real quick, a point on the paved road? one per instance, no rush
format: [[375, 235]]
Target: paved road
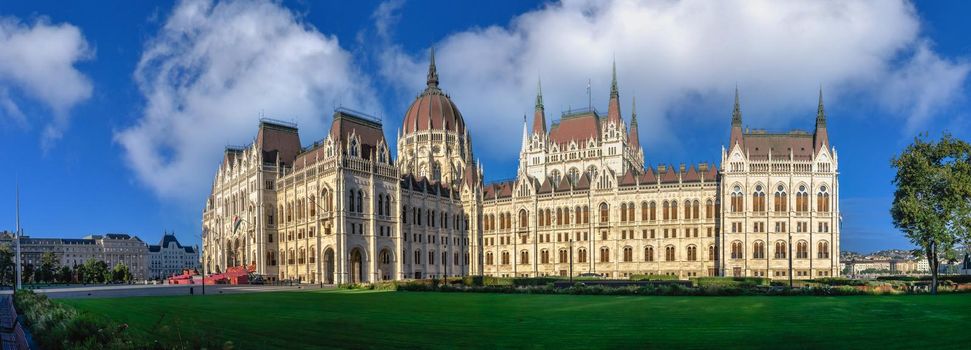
[[114, 291]]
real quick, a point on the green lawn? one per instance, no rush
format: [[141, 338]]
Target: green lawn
[[351, 319]]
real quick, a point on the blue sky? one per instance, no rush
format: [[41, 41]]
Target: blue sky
[[114, 115]]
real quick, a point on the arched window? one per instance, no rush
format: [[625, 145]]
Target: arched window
[[758, 199], [712, 253], [630, 211], [738, 203], [822, 250], [380, 205], [566, 216], [665, 210], [354, 148], [674, 210], [313, 205], [628, 254], [758, 250], [604, 254], [563, 257], [802, 200], [549, 217], [822, 200], [541, 218], [489, 258], [559, 216], [687, 210], [586, 214], [695, 210], [802, 250], [505, 258], [669, 253], [709, 209], [652, 210], [523, 218], [644, 215], [649, 253], [737, 250], [555, 174], [436, 171], [574, 175], [779, 200], [544, 256], [623, 212], [604, 213], [692, 253], [582, 255], [780, 250], [360, 201]]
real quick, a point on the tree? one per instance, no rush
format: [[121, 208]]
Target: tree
[[6, 265], [96, 271], [120, 273], [64, 275], [48, 267], [932, 203]]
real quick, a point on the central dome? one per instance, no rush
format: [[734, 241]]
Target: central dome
[[433, 109]]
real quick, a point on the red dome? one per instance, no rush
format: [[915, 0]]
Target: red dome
[[433, 109]]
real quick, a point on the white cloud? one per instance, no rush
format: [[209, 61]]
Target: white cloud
[[210, 71], [37, 62], [671, 54]]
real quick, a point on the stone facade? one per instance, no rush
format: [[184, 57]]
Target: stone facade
[[111, 248], [169, 257], [342, 210]]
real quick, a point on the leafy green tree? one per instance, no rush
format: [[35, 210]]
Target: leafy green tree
[[6, 265], [64, 275], [49, 263], [96, 271], [120, 273], [932, 203]]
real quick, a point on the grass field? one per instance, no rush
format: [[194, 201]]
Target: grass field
[[360, 319]]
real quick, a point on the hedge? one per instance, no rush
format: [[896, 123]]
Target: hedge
[[737, 282], [55, 326]]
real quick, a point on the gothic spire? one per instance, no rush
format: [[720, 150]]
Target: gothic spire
[[432, 72], [736, 111], [539, 93], [633, 138], [821, 135], [539, 116], [820, 111], [613, 106], [613, 82], [736, 137]]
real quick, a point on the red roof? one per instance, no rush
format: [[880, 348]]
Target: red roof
[[578, 128]]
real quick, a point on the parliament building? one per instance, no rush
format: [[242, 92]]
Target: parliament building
[[343, 210]]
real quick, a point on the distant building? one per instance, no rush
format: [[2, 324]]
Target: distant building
[[111, 248], [170, 257]]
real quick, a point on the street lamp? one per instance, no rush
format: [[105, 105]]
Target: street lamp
[[202, 255]]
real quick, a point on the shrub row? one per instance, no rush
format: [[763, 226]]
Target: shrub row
[[730, 282], [652, 290], [56, 326]]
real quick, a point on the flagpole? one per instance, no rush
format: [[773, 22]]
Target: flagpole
[[17, 238]]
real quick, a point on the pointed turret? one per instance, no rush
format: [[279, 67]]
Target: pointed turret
[[736, 135], [432, 72], [633, 138], [539, 116], [613, 108], [820, 137], [525, 137]]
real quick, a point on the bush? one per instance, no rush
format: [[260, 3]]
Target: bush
[[733, 282], [55, 326], [533, 281], [653, 278]]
